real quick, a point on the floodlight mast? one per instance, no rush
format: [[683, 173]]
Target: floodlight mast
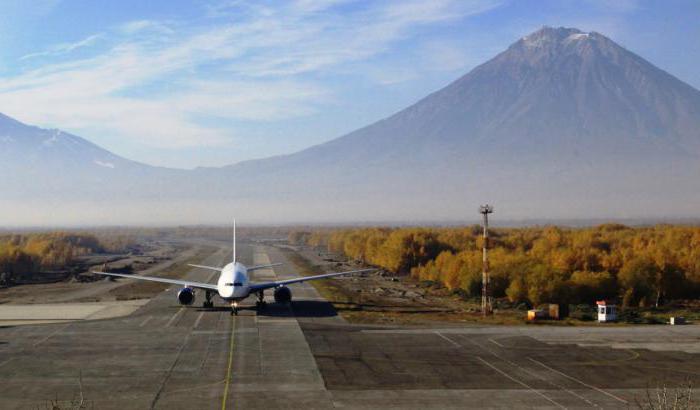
[[486, 303]]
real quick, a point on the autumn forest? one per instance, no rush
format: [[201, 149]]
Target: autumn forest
[[641, 266]]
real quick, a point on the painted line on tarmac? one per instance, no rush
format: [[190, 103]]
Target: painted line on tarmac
[[199, 318], [212, 276], [495, 342], [172, 319], [455, 344], [230, 363], [536, 376], [50, 335], [148, 319], [520, 382], [6, 361], [260, 346], [199, 387], [579, 381], [169, 373]]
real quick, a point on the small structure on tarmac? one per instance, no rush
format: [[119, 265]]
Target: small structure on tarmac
[[536, 314], [551, 311], [558, 311], [607, 312], [677, 320]]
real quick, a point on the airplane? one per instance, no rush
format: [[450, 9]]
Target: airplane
[[233, 285]]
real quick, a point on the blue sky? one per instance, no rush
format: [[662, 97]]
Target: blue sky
[[206, 83]]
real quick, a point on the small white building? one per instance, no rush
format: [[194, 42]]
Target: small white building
[[677, 320], [606, 312]]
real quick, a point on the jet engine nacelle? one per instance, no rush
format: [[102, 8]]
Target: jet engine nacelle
[[186, 296], [283, 295]]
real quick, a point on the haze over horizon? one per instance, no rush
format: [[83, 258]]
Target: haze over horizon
[[562, 124], [181, 85]]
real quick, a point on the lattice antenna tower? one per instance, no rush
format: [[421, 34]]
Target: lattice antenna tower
[[486, 300]]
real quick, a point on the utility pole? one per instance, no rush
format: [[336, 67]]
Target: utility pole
[[486, 305]]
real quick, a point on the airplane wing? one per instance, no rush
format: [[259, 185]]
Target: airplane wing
[[185, 283], [206, 267], [252, 268], [268, 285]]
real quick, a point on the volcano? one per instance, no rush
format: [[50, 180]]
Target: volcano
[[562, 124]]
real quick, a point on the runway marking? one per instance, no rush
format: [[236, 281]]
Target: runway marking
[[455, 344], [671, 370], [579, 381], [290, 320], [199, 318], [50, 335], [212, 276], [210, 333], [172, 319], [148, 319], [169, 372], [536, 375], [260, 347], [520, 382], [634, 356], [495, 342], [201, 386], [6, 361], [230, 363], [206, 354], [218, 322]]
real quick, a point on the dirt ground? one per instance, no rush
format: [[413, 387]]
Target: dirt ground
[[382, 298]]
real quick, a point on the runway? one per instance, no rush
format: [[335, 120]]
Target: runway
[[168, 356], [161, 356], [165, 356]]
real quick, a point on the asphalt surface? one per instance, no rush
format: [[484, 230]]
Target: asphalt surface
[[493, 367], [161, 356], [167, 356]]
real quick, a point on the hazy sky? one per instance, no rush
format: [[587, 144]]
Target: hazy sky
[[190, 83]]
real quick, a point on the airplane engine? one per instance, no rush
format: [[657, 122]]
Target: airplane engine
[[283, 295], [186, 296]]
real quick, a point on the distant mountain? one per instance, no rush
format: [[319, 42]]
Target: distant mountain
[[49, 164], [562, 124]]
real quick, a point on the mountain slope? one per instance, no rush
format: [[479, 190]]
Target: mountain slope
[[556, 87], [52, 164], [562, 124], [561, 114]]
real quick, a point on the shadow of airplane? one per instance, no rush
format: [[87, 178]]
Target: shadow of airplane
[[298, 308]]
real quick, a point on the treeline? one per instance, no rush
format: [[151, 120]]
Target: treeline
[[25, 253], [638, 266]]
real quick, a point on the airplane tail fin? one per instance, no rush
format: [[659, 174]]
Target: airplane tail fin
[[234, 240]]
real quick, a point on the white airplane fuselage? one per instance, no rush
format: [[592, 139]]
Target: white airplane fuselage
[[233, 284]]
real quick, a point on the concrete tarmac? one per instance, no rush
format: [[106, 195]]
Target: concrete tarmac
[[164, 355], [161, 356]]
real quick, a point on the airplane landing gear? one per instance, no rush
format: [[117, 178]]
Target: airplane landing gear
[[208, 302], [234, 309], [261, 304]]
